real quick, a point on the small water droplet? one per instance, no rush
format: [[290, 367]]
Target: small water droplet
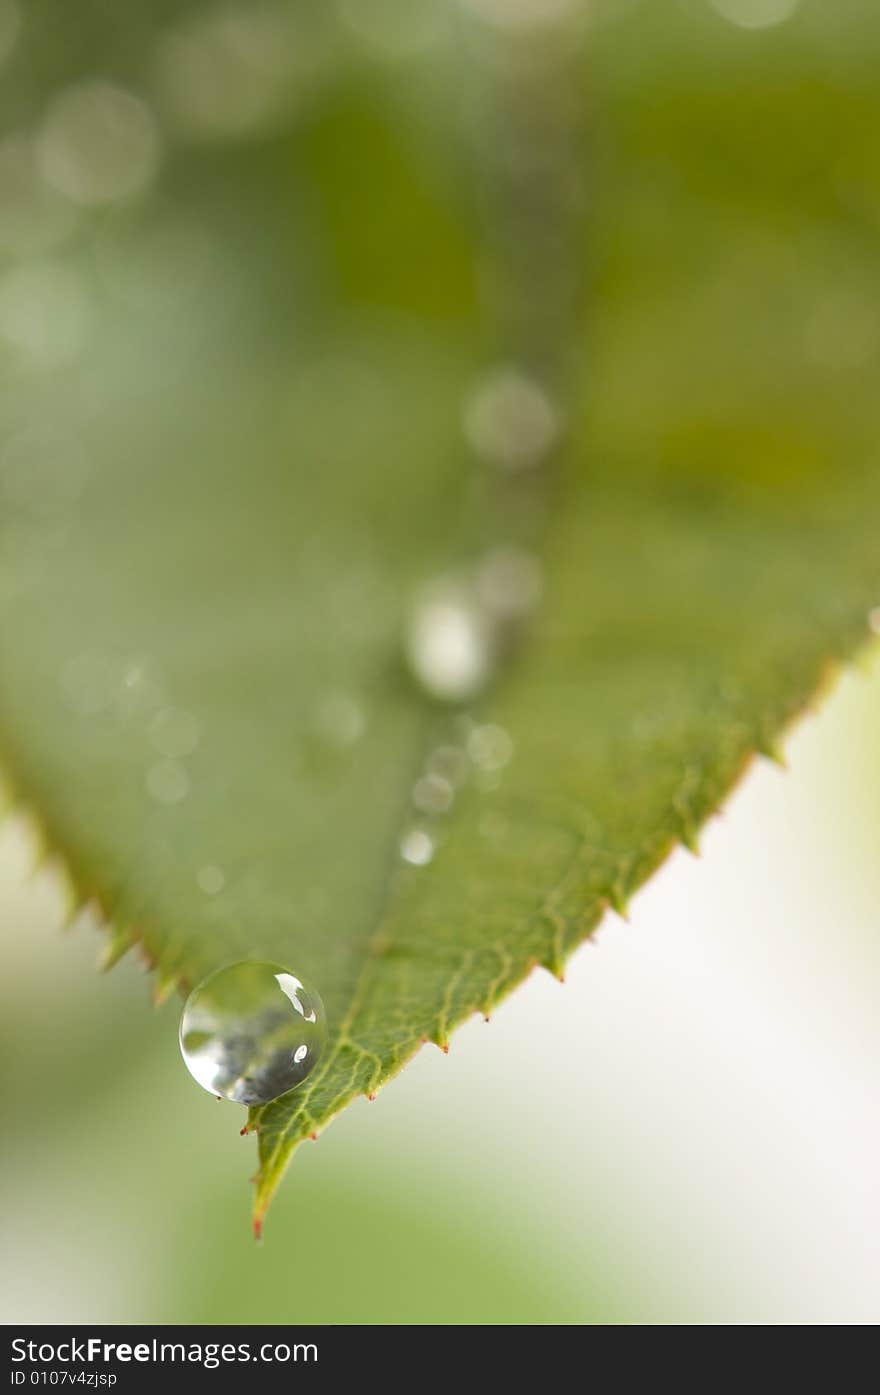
[[167, 782], [417, 847], [509, 583], [448, 644], [489, 747], [211, 879], [252, 1031], [174, 733], [98, 143], [432, 794], [510, 421]]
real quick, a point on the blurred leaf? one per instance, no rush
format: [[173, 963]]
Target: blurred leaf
[[234, 456]]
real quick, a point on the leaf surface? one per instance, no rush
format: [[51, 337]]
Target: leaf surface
[[234, 455]]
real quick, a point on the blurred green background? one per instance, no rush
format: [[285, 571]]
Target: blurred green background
[[685, 1132]]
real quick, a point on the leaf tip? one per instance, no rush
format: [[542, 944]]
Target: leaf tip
[[555, 966], [770, 747], [120, 939], [617, 900], [163, 988]]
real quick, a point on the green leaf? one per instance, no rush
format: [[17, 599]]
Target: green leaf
[[234, 457]]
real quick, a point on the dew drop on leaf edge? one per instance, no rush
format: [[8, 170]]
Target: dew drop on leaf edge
[[251, 1031]]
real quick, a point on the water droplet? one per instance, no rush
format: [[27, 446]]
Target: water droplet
[[448, 645], [755, 14], [251, 1032], [510, 421], [211, 879], [10, 27], [98, 143], [167, 782], [44, 312], [432, 794], [874, 619], [509, 583], [417, 847], [489, 747], [174, 733]]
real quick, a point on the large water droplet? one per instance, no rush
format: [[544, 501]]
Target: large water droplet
[[251, 1032], [448, 644]]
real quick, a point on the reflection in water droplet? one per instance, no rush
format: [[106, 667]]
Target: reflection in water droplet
[[509, 583], [174, 733], [98, 143], [44, 312], [755, 14], [10, 27], [251, 1032], [211, 879], [448, 645], [33, 217], [510, 421], [417, 847], [489, 747], [432, 794], [167, 782]]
